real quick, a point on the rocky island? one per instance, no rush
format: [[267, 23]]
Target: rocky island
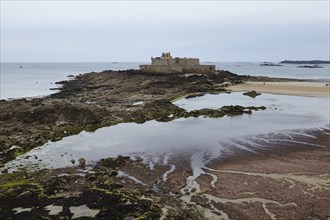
[[310, 66], [305, 61], [270, 64]]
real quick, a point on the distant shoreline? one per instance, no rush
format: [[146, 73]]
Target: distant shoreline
[[305, 62]]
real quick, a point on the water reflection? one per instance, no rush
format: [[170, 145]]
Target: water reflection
[[284, 114]]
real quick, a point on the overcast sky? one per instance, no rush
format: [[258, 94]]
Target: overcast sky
[[91, 31]]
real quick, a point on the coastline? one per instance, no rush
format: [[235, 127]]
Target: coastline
[[299, 88], [252, 185]]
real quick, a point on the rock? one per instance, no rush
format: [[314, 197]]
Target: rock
[[252, 94], [308, 66], [113, 162], [232, 110], [4, 171], [269, 64], [256, 108], [82, 162], [194, 95], [73, 161], [212, 113]]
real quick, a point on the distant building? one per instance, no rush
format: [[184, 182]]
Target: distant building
[[167, 64]]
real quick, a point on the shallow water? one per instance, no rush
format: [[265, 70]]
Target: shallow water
[[35, 79], [156, 141]]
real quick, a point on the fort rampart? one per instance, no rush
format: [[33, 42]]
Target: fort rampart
[[167, 64]]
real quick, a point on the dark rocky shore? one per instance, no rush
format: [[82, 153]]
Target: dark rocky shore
[[95, 100], [88, 102]]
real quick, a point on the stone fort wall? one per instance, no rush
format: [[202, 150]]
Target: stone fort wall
[[167, 64], [176, 61]]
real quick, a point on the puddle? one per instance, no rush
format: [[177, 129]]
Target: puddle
[[83, 211], [138, 103], [284, 117], [20, 209], [53, 209], [123, 174]]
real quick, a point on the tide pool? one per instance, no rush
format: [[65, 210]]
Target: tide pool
[[212, 136]]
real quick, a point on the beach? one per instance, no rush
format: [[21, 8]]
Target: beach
[[291, 181], [167, 146], [305, 88]]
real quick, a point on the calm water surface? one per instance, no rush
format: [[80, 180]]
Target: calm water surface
[[35, 79], [284, 114], [284, 71]]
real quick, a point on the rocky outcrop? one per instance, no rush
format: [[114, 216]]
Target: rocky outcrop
[[310, 67], [55, 194], [252, 94], [94, 100], [306, 61]]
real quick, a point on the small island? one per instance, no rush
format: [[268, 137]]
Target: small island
[[310, 66], [305, 62], [270, 64]]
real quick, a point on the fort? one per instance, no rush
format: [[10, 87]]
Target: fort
[[167, 64]]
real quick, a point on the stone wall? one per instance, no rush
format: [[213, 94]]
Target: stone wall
[[167, 64], [177, 68], [184, 62]]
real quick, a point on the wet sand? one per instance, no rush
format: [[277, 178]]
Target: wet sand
[[288, 180], [321, 89], [292, 181]]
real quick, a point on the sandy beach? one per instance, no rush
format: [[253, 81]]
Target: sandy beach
[[320, 89]]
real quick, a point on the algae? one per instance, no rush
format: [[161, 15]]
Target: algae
[[39, 190]]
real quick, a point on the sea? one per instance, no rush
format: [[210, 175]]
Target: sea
[[19, 80]]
